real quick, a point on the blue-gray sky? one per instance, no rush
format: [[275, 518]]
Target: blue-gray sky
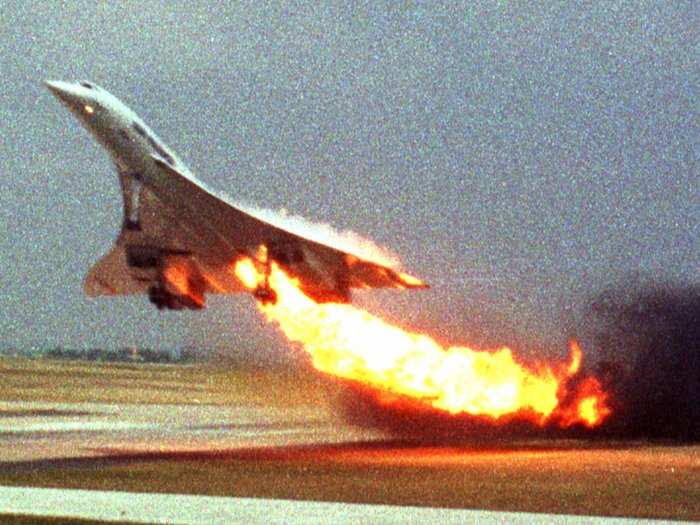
[[518, 157]]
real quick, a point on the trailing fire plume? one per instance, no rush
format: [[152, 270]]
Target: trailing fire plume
[[353, 344]]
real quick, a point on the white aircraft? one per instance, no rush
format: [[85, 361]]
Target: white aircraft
[[179, 240]]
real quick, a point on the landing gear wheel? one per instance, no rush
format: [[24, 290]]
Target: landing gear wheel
[[265, 295]]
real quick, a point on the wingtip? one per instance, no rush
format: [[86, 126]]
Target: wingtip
[[412, 282]]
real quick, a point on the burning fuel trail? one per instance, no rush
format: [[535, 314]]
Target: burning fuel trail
[[353, 344]]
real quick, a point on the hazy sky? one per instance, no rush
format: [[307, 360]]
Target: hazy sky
[[518, 158]]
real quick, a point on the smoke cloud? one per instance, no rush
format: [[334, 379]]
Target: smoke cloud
[[649, 341]]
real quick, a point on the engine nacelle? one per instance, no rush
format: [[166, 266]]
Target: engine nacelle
[[143, 257], [160, 297], [315, 280], [339, 294], [181, 280], [177, 281]]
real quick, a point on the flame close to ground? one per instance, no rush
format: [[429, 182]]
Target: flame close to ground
[[353, 344]]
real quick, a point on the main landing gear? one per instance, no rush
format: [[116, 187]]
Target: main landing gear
[[265, 295], [264, 292]]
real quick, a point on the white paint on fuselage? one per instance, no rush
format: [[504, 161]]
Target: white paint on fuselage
[[114, 125]]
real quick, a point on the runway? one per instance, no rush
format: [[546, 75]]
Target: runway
[[243, 462], [31, 431], [204, 510]]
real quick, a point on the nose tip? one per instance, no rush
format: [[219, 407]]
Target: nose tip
[[53, 85], [56, 89], [62, 90]]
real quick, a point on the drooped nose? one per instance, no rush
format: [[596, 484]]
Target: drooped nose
[[76, 97], [64, 91]]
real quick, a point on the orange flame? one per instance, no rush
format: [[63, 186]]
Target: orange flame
[[576, 356], [351, 343]]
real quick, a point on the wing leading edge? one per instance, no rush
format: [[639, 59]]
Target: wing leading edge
[[317, 265], [179, 241]]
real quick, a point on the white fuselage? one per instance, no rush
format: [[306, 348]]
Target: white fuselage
[[134, 148], [129, 141]]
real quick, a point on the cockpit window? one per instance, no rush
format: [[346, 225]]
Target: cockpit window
[[160, 150], [86, 84]]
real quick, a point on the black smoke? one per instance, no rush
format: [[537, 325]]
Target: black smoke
[[648, 338]]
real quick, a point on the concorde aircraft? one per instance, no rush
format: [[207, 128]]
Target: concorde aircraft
[[179, 240]]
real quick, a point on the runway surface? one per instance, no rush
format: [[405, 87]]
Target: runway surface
[[178, 508], [31, 431], [244, 463]]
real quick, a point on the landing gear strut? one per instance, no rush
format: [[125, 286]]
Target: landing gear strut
[[159, 297], [264, 292]]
